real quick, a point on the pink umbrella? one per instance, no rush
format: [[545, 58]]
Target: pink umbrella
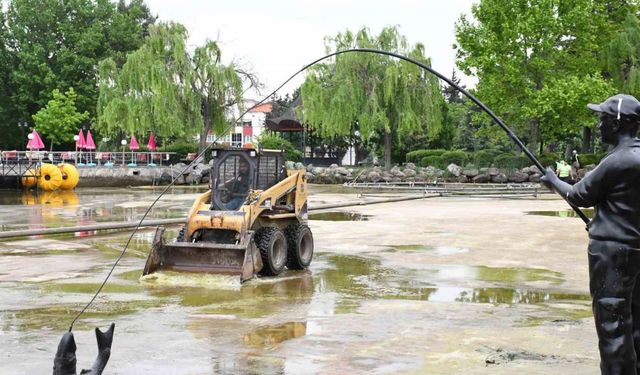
[[89, 145], [80, 143], [38, 144], [133, 145], [151, 145]]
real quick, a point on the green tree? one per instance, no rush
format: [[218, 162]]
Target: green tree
[[163, 88], [622, 57], [517, 48], [58, 121], [390, 100], [58, 44]]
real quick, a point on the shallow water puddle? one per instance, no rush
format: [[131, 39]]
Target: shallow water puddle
[[271, 336]]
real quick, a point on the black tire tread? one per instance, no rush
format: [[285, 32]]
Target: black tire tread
[[262, 239], [292, 233], [180, 236]]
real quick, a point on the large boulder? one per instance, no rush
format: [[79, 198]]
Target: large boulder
[[374, 176], [342, 171], [454, 169], [463, 179], [409, 172], [481, 179], [410, 166], [317, 171], [299, 166], [493, 171], [499, 178], [534, 177], [518, 176], [470, 173], [309, 167]]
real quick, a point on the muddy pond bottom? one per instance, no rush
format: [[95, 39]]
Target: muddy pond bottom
[[422, 305]]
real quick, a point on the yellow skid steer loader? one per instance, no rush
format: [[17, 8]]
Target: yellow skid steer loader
[[252, 220]]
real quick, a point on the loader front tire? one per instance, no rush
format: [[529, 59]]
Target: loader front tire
[[273, 248], [180, 236], [300, 242]]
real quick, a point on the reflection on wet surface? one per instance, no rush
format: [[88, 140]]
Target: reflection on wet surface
[[270, 336], [564, 213], [21, 210]]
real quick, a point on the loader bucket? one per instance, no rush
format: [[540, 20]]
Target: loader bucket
[[241, 259]]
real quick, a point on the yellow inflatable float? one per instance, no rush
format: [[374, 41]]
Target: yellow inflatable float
[[70, 176], [29, 178], [50, 177]]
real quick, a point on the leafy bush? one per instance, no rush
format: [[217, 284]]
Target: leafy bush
[[432, 161], [586, 159], [484, 158], [549, 160], [275, 142], [511, 161], [417, 155], [181, 149], [457, 157]]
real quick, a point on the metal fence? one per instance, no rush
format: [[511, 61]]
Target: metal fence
[[15, 163]]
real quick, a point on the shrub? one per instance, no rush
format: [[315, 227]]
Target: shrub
[[549, 160], [275, 142], [484, 158], [586, 159], [417, 155], [181, 149], [511, 161], [457, 157], [432, 161]]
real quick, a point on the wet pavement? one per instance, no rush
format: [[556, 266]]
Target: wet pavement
[[438, 286]]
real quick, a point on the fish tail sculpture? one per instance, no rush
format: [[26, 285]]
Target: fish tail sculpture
[[64, 362]]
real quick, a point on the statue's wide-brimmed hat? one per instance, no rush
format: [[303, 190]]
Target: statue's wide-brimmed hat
[[618, 106]]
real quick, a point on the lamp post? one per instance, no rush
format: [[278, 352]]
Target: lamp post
[[22, 125], [75, 155], [123, 143]]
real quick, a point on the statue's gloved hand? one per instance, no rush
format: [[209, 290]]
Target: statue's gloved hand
[[550, 179]]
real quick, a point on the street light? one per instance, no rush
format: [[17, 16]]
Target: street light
[[22, 125], [123, 143], [75, 155]]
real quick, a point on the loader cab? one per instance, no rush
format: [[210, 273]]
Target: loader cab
[[235, 172]]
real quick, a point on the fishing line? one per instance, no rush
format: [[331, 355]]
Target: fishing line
[[232, 124]]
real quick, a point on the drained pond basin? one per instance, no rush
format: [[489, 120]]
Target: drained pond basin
[[433, 286]]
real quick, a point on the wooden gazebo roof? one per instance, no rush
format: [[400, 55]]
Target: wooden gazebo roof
[[288, 122]]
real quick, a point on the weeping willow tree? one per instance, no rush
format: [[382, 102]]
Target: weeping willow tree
[[622, 57], [165, 89], [384, 98]]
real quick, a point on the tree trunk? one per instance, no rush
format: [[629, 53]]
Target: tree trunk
[[586, 140], [387, 151], [205, 131], [534, 135]]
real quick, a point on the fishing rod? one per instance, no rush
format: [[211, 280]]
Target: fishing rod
[[495, 118]]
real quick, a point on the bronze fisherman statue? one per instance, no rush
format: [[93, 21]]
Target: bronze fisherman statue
[[613, 188]]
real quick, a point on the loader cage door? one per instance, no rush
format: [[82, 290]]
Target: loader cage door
[[270, 170], [233, 177]]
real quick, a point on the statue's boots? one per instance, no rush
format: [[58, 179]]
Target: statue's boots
[[615, 288]]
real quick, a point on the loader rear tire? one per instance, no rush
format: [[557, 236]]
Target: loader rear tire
[[300, 242], [273, 248]]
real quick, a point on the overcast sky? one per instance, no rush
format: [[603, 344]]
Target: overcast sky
[[275, 38]]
